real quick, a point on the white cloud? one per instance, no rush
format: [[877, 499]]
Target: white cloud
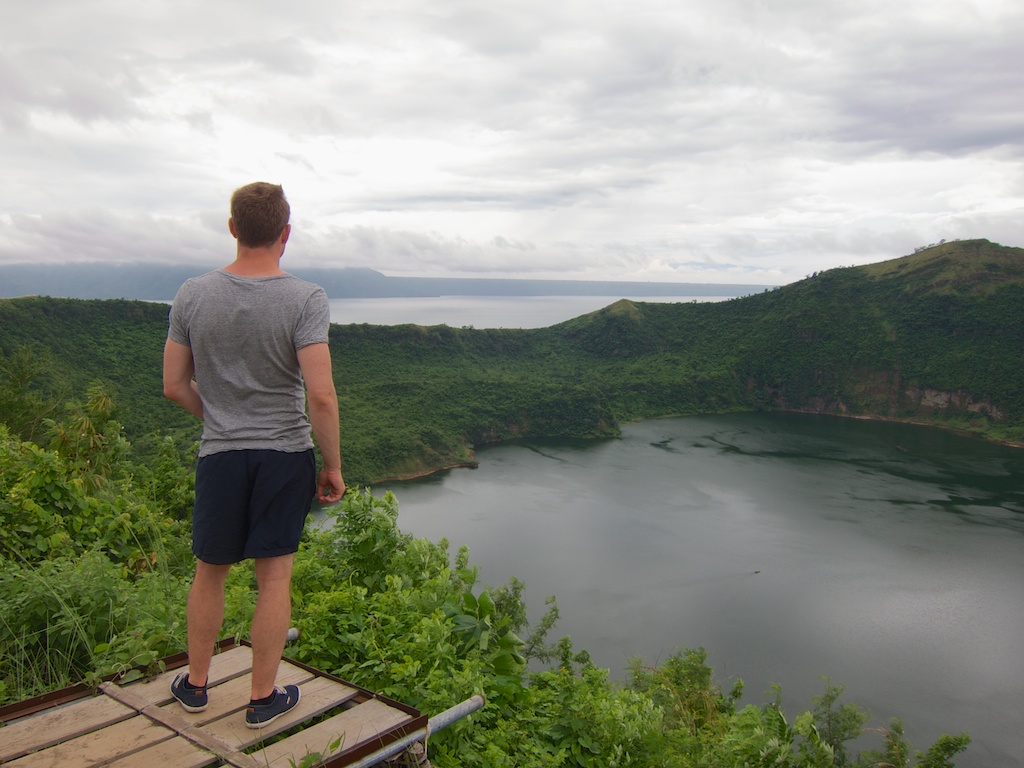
[[718, 140]]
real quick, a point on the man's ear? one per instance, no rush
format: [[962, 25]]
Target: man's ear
[[231, 228], [285, 233]]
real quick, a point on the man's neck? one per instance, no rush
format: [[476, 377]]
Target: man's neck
[[256, 262]]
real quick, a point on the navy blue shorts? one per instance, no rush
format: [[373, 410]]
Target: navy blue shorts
[[251, 504]]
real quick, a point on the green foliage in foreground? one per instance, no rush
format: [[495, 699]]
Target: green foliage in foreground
[[94, 572]]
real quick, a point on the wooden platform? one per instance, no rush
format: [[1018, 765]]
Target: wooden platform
[[139, 724]]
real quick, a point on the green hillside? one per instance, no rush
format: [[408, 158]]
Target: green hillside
[[935, 337]]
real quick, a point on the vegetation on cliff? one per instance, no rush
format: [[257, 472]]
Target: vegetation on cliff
[[936, 337]]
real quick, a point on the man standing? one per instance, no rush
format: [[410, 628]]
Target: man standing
[[242, 342]]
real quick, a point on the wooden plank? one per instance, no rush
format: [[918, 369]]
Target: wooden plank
[[98, 747], [107, 729], [317, 696], [174, 720], [226, 699], [233, 696], [11, 712], [223, 667], [173, 753], [354, 727], [61, 724]]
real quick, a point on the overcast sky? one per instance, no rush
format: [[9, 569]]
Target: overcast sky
[[739, 141]]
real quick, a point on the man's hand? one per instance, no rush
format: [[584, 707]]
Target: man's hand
[[330, 486]]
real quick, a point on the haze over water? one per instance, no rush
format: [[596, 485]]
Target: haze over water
[[889, 557], [480, 311]]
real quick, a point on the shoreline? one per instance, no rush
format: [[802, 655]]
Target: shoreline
[[427, 472], [892, 419], [474, 464]]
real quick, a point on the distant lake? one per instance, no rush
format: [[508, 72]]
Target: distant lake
[[889, 557], [481, 311]]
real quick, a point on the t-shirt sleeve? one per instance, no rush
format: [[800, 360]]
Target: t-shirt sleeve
[[177, 327], [315, 321]]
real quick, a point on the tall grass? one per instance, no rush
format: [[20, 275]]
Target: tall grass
[[72, 620]]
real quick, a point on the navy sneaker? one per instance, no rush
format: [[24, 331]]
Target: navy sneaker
[[260, 715], [191, 699]]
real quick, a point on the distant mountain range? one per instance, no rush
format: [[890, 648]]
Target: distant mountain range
[[159, 282]]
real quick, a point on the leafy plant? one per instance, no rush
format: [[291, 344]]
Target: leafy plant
[[837, 724], [896, 751], [684, 690], [367, 537]]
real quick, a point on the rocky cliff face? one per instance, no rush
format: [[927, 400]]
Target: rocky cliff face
[[881, 395], [932, 401]]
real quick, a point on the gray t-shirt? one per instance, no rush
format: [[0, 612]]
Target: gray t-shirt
[[244, 333]]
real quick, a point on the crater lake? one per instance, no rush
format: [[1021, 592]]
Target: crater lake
[[889, 557]]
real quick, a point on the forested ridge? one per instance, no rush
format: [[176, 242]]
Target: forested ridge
[[936, 337], [96, 489]]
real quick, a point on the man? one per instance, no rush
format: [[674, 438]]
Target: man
[[241, 343]]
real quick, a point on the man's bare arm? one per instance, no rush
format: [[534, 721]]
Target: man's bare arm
[[315, 363], [179, 385]]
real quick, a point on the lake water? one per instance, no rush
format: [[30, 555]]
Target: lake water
[[480, 311], [889, 557]]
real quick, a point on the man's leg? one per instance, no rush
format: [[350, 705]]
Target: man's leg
[[205, 616], [270, 621]]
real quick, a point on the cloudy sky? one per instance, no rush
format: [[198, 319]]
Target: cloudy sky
[[739, 141]]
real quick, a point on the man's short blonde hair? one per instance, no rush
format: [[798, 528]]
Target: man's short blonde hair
[[260, 213]]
